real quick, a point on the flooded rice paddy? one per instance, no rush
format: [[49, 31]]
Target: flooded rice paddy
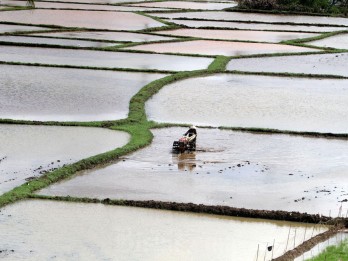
[[208, 47], [257, 36], [61, 94], [338, 41], [124, 233], [111, 2], [11, 28], [273, 172], [188, 5], [30, 151], [106, 36], [55, 42], [101, 59], [81, 19], [332, 64], [255, 26], [258, 17], [284, 103]]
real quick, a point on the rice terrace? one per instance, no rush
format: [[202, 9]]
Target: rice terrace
[[174, 130]]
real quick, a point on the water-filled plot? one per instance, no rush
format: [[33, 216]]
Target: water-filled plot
[[257, 36], [75, 6], [295, 104], [257, 171], [82, 19], [59, 94], [11, 28], [338, 41], [102, 59], [209, 47], [125, 233], [258, 17], [29, 151], [112, 2], [188, 5], [106, 36], [51, 41], [326, 64], [255, 26]]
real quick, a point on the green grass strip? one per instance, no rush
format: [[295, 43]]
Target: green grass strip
[[333, 253]]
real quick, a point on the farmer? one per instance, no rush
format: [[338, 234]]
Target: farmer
[[191, 134]]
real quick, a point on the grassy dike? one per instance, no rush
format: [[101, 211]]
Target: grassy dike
[[136, 125]]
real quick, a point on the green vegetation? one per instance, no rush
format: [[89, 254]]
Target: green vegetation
[[309, 6], [333, 253]]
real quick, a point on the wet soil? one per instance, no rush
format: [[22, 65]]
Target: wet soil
[[253, 171], [30, 151]]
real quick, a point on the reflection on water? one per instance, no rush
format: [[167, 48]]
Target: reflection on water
[[277, 172], [185, 161], [29, 151], [45, 230]]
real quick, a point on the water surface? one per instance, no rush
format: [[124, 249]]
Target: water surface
[[297, 104], [50, 41], [258, 17], [338, 41], [102, 59], [59, 94], [11, 28], [82, 19], [29, 151], [109, 36], [275, 172], [257, 36], [44, 230], [208, 47], [188, 5], [333, 64]]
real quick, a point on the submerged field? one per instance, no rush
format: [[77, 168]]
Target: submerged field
[[93, 94]]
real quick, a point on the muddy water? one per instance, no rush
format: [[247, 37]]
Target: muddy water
[[85, 19], [67, 94], [49, 41], [337, 41], [316, 250], [255, 101], [258, 36], [253, 26], [258, 17], [275, 172], [98, 232], [206, 47], [188, 5], [97, 1], [10, 28], [56, 5], [102, 59], [333, 64], [29, 151], [109, 36]]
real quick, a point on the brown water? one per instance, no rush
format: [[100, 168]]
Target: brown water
[[83, 19], [258, 17], [102, 59], [275, 172], [29, 151], [338, 41], [188, 5], [255, 26], [333, 64], [298, 104], [10, 28], [60, 94], [50, 41], [57, 5], [257, 36], [109, 36], [207, 47], [44, 230]]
